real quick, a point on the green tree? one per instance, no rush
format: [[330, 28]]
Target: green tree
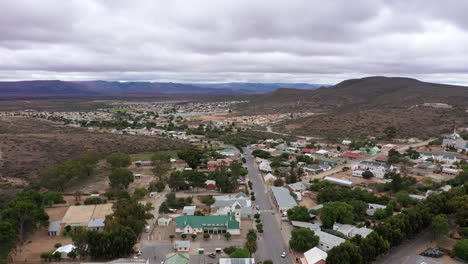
[[299, 213], [160, 169], [340, 212], [195, 178], [367, 174], [206, 236], [192, 156], [177, 181], [227, 235], [51, 198], [88, 160], [194, 236], [268, 261], [390, 132], [261, 154], [240, 253], [346, 253], [26, 213], [58, 177], [404, 199], [120, 178], [183, 236], [72, 254], [236, 168], [440, 226], [460, 249], [119, 160], [303, 239], [129, 213]]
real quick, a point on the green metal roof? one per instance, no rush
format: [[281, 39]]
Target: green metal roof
[[177, 259], [208, 222]]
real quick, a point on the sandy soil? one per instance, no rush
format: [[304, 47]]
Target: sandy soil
[[36, 244], [56, 213], [307, 202]]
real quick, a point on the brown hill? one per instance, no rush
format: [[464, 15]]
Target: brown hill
[[29, 146], [367, 106], [370, 91]]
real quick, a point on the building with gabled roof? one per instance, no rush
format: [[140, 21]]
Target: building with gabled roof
[[212, 224], [283, 199]]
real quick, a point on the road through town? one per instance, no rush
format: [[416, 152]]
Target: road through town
[[271, 243]]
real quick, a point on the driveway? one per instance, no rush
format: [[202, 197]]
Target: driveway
[[271, 243]]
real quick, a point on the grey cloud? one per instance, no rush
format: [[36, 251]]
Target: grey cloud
[[215, 41]]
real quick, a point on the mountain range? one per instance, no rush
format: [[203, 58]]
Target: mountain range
[[57, 88]]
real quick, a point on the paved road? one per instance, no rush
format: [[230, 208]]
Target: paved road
[[271, 243]]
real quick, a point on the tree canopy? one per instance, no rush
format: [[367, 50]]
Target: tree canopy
[[120, 178], [303, 239], [119, 160]]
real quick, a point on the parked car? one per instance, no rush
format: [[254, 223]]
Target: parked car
[[283, 255], [212, 255]]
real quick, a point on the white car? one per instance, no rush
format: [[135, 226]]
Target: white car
[[283, 255]]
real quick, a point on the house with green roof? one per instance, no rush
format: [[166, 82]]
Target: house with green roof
[[212, 224], [177, 258]]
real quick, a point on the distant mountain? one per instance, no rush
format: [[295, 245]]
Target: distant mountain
[[260, 87], [367, 106], [105, 88], [43, 88]]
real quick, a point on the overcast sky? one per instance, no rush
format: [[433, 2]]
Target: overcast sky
[[237, 40]]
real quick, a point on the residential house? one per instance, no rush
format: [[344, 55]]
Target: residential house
[[182, 245], [54, 228], [164, 220], [417, 197], [264, 166], [455, 141], [329, 161], [388, 147], [339, 181], [377, 168], [351, 231], [213, 224], [239, 204], [269, 178], [96, 224], [321, 152], [283, 199], [65, 250], [314, 256], [373, 208], [442, 157], [177, 258], [299, 186], [351, 155], [328, 241], [189, 210], [210, 185]]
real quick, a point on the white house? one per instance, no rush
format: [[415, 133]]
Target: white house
[[328, 241], [270, 178], [351, 231], [314, 255], [377, 168], [338, 181], [264, 166], [189, 210], [64, 250], [182, 245], [164, 220]]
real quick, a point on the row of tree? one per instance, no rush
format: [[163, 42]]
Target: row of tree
[[396, 229]]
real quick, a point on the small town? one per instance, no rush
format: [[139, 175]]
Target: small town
[[233, 132], [232, 197]]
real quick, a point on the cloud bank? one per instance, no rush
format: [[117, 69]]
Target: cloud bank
[[219, 41]]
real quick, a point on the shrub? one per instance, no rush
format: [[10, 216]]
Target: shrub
[[93, 200]]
